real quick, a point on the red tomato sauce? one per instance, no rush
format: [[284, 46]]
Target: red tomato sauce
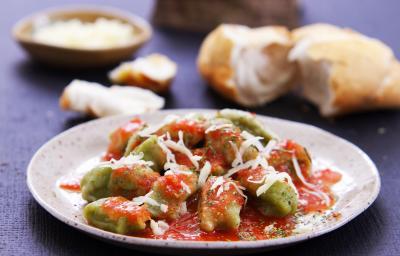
[[117, 207], [228, 133], [182, 159], [119, 138], [71, 183], [314, 196], [143, 183], [253, 225], [189, 127]]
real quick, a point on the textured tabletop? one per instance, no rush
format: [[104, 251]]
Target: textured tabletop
[[29, 116]]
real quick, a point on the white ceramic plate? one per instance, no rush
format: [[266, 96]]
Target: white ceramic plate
[[66, 152]]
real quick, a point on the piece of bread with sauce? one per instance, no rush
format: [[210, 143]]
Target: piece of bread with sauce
[[154, 72]]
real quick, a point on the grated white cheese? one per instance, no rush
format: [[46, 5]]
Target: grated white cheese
[[146, 199], [250, 140], [218, 181], [171, 166], [238, 157], [271, 177], [315, 191], [128, 161], [299, 174], [215, 127], [183, 208], [150, 201], [269, 228], [238, 188], [154, 128], [269, 147], [186, 187], [158, 227], [220, 190], [223, 185], [302, 202], [168, 153], [239, 167], [320, 195], [180, 147], [164, 208], [73, 33], [173, 169], [204, 173], [259, 161]]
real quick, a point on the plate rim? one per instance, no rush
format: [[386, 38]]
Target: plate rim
[[181, 244]]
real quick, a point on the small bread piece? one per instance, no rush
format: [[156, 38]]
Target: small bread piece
[[154, 72], [248, 66], [97, 100], [343, 71]]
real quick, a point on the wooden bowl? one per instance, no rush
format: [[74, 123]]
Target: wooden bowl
[[75, 57]]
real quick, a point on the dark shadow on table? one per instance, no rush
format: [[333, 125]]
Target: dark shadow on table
[[75, 120], [46, 77]]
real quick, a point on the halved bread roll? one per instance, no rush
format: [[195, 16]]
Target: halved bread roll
[[248, 66], [97, 100], [154, 72], [343, 71]]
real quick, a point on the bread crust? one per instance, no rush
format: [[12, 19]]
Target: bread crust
[[96, 100], [130, 73], [215, 65], [362, 73]]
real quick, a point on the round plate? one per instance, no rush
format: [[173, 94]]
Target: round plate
[[65, 152]]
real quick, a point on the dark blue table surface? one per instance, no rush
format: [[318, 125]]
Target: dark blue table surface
[[29, 116]]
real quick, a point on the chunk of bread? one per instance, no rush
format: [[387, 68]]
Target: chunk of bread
[[343, 71], [97, 100], [248, 66], [155, 72]]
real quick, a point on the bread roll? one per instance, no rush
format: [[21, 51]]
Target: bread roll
[[343, 71], [248, 66], [154, 72], [97, 100]]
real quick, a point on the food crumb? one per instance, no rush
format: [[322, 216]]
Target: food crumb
[[269, 228], [336, 215], [381, 130]]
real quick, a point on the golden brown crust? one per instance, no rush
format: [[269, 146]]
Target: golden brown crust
[[66, 104], [64, 101], [214, 61], [359, 67], [135, 73], [342, 71], [143, 81], [389, 94]]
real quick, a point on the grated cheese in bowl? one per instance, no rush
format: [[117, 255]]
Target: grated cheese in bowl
[[73, 33]]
